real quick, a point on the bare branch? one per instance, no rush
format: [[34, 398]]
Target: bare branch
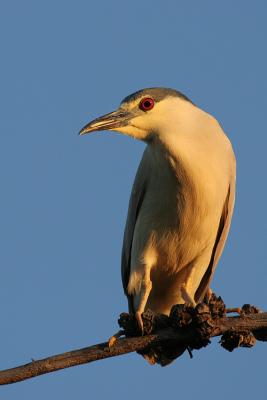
[[254, 324]]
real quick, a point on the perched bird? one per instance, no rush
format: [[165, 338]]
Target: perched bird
[[182, 199]]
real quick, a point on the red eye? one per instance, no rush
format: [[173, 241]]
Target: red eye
[[146, 104]]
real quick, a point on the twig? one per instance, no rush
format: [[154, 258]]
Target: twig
[[252, 323]]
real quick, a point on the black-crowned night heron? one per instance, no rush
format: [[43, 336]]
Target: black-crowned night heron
[[182, 199]]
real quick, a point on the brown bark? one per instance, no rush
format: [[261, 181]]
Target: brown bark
[[242, 330]]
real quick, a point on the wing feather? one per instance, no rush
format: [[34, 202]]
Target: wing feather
[[136, 200], [223, 229]]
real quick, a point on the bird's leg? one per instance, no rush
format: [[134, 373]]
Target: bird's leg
[[138, 316], [208, 296], [146, 287], [186, 296]]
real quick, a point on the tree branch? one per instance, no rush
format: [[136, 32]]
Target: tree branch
[[250, 323]]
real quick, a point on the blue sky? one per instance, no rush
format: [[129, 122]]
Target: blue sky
[[64, 198]]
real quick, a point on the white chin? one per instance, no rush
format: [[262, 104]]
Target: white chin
[[133, 131]]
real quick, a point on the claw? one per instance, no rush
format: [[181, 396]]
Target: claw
[[113, 339], [139, 320]]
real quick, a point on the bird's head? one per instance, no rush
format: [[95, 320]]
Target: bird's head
[[143, 114]]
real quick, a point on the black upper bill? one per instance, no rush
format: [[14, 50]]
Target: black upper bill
[[112, 120]]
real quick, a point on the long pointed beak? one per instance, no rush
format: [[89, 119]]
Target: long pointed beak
[[109, 121]]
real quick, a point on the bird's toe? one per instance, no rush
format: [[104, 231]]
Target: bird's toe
[[139, 321]]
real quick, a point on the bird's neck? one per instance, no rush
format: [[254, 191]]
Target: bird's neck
[[193, 140]]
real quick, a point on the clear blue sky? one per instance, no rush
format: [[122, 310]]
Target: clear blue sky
[[64, 198]]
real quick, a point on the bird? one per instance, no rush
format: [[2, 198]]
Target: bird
[[181, 203]]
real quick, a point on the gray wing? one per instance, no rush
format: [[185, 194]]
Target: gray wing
[[136, 200], [223, 229]]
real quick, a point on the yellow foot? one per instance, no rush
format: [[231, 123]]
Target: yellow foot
[[231, 310], [139, 320], [113, 339], [209, 294], [186, 297]]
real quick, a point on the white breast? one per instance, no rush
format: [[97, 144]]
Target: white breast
[[187, 178]]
